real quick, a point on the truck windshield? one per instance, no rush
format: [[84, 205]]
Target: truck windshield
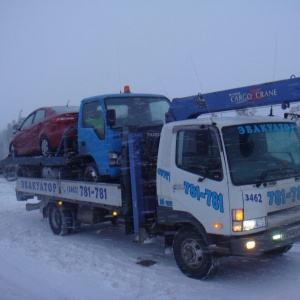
[[262, 152], [138, 111]]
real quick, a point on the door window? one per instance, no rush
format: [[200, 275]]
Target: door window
[[27, 122], [197, 152], [39, 115], [93, 118]]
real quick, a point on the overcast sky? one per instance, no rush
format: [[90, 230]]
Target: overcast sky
[[52, 52]]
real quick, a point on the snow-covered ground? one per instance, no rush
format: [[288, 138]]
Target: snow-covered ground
[[102, 264]]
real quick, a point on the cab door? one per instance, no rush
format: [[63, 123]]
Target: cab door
[[91, 134], [197, 179]]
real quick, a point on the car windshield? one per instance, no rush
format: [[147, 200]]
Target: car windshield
[[262, 152], [138, 111]]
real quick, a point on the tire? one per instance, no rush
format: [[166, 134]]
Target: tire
[[280, 250], [60, 221], [114, 220], [22, 172], [45, 147], [191, 254], [91, 173]]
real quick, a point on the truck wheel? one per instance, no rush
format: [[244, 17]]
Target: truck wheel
[[280, 250], [45, 147], [22, 172], [91, 173], [191, 254], [60, 221]]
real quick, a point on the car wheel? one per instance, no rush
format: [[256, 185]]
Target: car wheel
[[45, 147]]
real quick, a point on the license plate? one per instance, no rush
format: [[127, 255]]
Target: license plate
[[290, 233]]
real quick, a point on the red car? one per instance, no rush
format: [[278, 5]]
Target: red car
[[41, 132]]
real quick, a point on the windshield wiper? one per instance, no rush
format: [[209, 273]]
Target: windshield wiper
[[279, 174], [263, 177]]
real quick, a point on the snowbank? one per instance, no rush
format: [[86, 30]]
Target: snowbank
[[102, 264]]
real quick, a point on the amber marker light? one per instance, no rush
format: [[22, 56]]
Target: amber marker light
[[237, 226], [126, 89], [237, 220], [218, 226], [238, 215]]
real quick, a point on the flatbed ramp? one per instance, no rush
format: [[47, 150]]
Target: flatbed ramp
[[77, 191]]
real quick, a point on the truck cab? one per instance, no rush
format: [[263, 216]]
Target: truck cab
[[103, 122], [236, 180]]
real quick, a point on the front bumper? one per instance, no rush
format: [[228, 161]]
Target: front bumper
[[265, 241]]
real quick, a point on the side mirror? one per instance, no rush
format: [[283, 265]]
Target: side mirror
[[285, 105], [111, 117], [16, 127]]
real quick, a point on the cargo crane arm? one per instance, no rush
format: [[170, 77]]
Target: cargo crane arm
[[282, 92]]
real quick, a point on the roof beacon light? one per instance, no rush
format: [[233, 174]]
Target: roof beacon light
[[126, 89]]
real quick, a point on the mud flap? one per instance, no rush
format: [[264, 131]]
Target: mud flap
[[32, 206]]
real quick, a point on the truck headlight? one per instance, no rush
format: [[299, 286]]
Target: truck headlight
[[254, 223], [239, 224], [237, 220]]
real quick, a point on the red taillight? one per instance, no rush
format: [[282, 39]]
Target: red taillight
[[64, 120]]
